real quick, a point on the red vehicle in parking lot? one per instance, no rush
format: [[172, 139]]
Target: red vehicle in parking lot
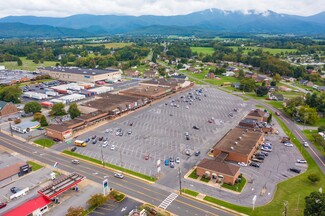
[[2, 205]]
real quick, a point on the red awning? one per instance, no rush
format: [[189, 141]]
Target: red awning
[[28, 207]]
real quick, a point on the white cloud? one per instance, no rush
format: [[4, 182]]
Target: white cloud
[[152, 7]]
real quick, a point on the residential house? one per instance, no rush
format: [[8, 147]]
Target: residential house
[[229, 74], [7, 108], [194, 70], [250, 75], [150, 74], [321, 88], [288, 79], [284, 88], [131, 73]]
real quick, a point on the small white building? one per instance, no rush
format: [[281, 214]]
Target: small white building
[[102, 89], [25, 127], [72, 98]]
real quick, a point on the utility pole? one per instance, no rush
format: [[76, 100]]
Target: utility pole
[[10, 128], [101, 150], [180, 180]]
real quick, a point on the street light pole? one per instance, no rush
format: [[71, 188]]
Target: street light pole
[[101, 151], [10, 128], [180, 180]]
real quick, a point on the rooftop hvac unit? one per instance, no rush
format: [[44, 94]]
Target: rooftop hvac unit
[[236, 143], [232, 148], [239, 138]]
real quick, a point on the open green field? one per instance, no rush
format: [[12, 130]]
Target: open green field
[[45, 142], [28, 65], [111, 45], [203, 50], [248, 49], [190, 192], [212, 81]]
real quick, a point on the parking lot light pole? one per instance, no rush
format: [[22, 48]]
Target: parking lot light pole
[[180, 180], [101, 151]]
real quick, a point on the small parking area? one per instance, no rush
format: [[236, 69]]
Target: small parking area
[[260, 181], [158, 131], [117, 209]]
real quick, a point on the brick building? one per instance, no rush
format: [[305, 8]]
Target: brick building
[[239, 144], [218, 171], [258, 115], [7, 108], [60, 132]]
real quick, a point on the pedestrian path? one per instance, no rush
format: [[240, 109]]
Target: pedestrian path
[[168, 201]]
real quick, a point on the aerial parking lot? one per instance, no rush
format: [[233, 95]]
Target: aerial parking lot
[[177, 126]]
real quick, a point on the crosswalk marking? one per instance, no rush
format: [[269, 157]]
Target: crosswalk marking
[[168, 201]]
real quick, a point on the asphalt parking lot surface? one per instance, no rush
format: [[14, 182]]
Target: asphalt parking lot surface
[[115, 208], [260, 181], [158, 132]]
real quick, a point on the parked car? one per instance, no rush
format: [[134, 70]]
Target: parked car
[[172, 164], [14, 190], [94, 137], [56, 140], [75, 162], [196, 127], [73, 148], [113, 147], [101, 138], [95, 141], [166, 162], [87, 140], [255, 165], [242, 164], [177, 160], [2, 205], [288, 144], [295, 170], [257, 160], [264, 153], [171, 159], [129, 132], [266, 149], [105, 144], [260, 158], [119, 175], [197, 153], [301, 161], [188, 152]]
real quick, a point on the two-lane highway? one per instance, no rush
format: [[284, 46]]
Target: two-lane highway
[[130, 186]]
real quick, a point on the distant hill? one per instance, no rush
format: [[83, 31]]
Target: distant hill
[[209, 21], [19, 30]]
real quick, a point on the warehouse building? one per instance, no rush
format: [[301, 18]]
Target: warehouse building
[[238, 145], [174, 84], [151, 92], [74, 74]]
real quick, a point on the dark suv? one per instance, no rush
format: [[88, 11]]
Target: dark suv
[[255, 165], [295, 170]]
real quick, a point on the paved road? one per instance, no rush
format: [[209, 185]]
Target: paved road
[[316, 155], [152, 194]]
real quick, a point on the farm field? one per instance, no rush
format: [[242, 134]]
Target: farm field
[[203, 50], [270, 50], [28, 65], [111, 45]]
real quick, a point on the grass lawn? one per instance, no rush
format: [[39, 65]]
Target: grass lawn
[[131, 172], [276, 104], [203, 50], [248, 49], [309, 136], [237, 187], [204, 179], [321, 122], [28, 65], [35, 166], [190, 192], [193, 175], [34, 82], [45, 142]]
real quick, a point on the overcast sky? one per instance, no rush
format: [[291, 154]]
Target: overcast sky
[[61, 8]]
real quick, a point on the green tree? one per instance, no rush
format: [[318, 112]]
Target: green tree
[[75, 211], [247, 85], [321, 128], [19, 62], [58, 110], [10, 94], [315, 204], [32, 107], [74, 111], [273, 83], [269, 119], [241, 74], [277, 77], [96, 200], [43, 121], [308, 115], [261, 91], [38, 116], [313, 177]]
